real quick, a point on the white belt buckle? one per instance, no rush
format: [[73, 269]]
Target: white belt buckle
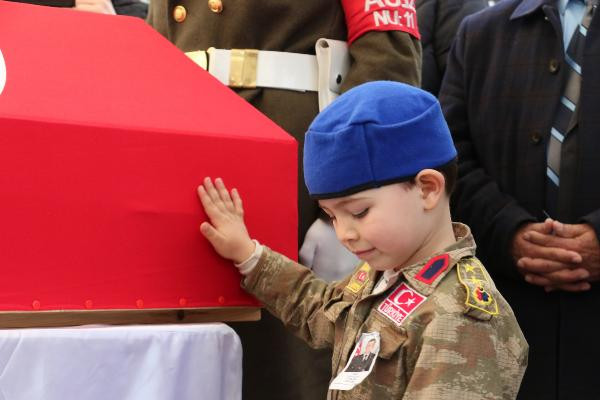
[[242, 68]]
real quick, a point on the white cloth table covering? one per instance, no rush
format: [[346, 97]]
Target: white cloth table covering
[[151, 362]]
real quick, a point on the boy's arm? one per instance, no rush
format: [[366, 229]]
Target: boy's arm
[[460, 357], [288, 289], [295, 296]]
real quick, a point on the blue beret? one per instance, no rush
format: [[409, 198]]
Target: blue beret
[[375, 134]]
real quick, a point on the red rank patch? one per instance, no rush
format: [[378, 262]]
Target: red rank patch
[[433, 269], [401, 303], [363, 16]]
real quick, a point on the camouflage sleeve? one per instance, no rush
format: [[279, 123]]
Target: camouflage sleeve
[[293, 294], [462, 358], [394, 56]]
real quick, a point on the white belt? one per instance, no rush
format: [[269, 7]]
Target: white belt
[[249, 68]]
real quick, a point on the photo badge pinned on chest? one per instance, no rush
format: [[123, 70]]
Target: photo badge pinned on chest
[[360, 364]]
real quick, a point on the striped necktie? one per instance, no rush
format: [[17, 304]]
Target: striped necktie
[[562, 155]]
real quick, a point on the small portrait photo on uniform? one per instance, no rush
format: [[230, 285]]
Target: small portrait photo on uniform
[[360, 363], [364, 354]]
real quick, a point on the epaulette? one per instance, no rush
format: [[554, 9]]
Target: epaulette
[[480, 302]]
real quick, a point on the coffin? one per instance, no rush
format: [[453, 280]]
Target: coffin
[[106, 130]]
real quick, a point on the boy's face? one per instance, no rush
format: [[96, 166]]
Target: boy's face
[[370, 346], [385, 227]]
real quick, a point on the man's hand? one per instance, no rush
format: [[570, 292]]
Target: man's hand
[[579, 238], [226, 231], [97, 6], [548, 264]]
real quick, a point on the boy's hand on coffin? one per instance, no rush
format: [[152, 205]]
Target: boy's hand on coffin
[[226, 230]]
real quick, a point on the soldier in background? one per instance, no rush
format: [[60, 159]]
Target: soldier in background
[[390, 51]]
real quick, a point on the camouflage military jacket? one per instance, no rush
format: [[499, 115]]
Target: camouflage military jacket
[[456, 339]]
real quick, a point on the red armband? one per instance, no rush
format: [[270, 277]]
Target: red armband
[[380, 15]]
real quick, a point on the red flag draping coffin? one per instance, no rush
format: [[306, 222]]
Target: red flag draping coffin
[[106, 129]]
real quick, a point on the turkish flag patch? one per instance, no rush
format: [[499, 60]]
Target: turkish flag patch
[[401, 303]]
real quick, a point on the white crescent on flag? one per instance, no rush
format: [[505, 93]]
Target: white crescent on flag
[[2, 72]]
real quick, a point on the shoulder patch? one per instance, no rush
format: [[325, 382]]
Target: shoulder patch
[[433, 269], [474, 279], [359, 279]]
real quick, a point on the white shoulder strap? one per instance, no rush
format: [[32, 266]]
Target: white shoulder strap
[[333, 61]]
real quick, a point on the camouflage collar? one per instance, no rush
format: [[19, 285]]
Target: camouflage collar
[[425, 275]]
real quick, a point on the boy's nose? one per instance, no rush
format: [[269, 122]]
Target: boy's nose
[[345, 232]]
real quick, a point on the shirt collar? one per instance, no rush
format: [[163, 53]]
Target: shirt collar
[[463, 247], [563, 4]]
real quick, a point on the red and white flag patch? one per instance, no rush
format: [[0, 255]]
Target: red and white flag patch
[[401, 303]]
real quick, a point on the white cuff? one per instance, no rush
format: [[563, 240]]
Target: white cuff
[[246, 266]]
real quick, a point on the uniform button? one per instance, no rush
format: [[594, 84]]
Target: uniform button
[[553, 66], [179, 13], [536, 137], [215, 6]]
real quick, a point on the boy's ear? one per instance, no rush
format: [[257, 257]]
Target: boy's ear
[[432, 185]]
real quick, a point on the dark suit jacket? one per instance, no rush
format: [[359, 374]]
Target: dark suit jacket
[[134, 8], [502, 86], [438, 23], [360, 363]]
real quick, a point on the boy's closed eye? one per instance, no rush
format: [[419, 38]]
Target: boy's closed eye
[[361, 214], [355, 214], [329, 216]]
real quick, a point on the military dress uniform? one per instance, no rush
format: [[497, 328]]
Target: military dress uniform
[[453, 337], [284, 26], [287, 26]]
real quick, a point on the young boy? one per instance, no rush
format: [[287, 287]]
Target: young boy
[[381, 162]]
